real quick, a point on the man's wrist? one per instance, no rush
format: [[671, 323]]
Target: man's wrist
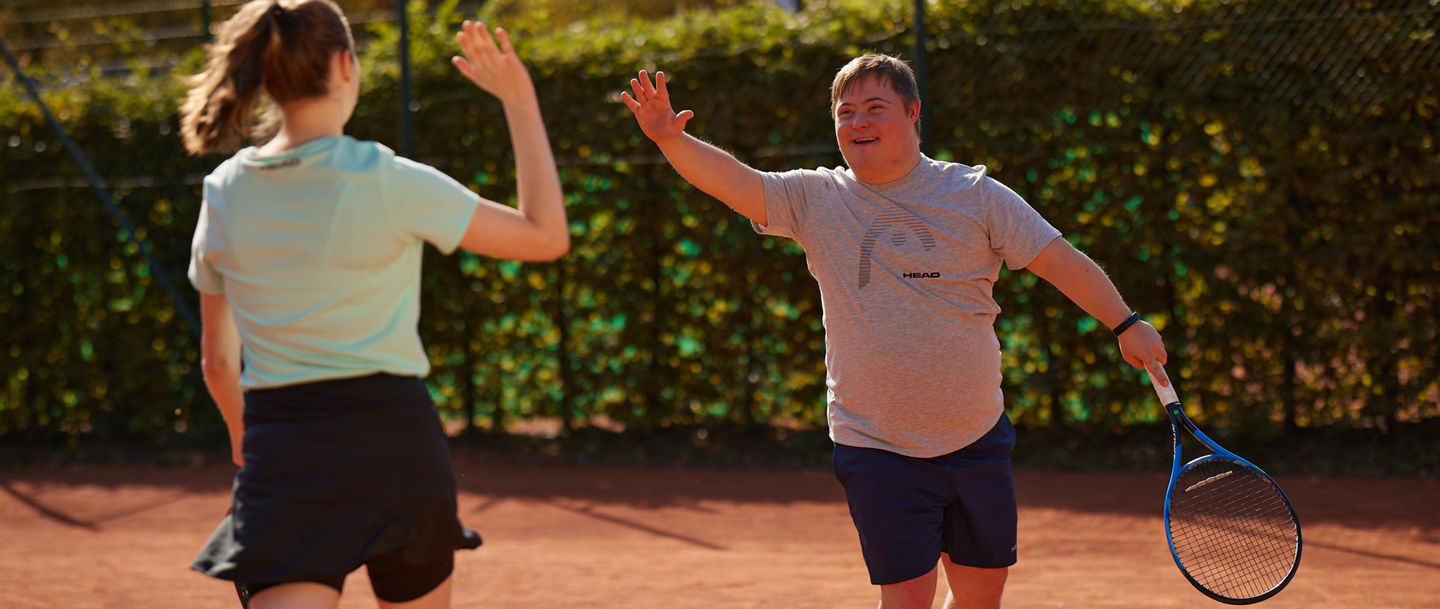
[[1125, 325]]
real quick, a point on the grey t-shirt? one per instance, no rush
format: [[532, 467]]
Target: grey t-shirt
[[906, 271]]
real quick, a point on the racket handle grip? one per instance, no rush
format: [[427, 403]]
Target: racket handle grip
[[1166, 391]]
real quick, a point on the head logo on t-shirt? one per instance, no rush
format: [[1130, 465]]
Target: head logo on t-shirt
[[895, 228]]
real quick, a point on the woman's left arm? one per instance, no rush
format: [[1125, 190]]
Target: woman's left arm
[[220, 362]]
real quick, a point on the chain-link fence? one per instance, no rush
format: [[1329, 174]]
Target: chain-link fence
[[1259, 176]]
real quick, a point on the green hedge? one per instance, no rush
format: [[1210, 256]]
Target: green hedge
[[1257, 176]]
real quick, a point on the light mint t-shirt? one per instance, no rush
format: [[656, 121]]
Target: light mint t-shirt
[[318, 250], [906, 273]]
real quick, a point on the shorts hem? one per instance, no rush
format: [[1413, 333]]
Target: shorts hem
[[876, 580]]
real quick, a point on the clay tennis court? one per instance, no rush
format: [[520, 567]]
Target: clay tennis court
[[90, 536]]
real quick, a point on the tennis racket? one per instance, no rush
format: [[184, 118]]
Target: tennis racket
[[1232, 531]]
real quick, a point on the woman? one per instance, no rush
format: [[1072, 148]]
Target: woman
[[307, 252]]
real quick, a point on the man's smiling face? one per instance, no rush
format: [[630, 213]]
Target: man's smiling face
[[876, 131]]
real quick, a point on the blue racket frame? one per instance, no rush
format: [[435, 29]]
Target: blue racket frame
[[1178, 419]]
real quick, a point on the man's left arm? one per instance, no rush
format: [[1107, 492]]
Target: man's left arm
[[1085, 284]]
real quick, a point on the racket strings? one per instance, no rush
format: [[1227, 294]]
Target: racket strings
[[1232, 530]]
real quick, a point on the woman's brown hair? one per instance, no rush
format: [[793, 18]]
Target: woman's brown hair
[[279, 49]]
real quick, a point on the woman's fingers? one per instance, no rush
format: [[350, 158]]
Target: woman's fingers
[[466, 39], [489, 60], [476, 43], [480, 35], [466, 69], [504, 38]]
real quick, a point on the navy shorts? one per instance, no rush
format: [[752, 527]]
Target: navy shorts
[[909, 510]]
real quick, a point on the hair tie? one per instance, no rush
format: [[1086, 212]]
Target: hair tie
[[277, 11]]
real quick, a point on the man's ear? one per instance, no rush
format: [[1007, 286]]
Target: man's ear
[[912, 110]]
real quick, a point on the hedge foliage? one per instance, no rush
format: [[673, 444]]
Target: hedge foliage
[[1258, 177]]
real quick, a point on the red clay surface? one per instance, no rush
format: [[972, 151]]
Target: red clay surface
[[83, 537]]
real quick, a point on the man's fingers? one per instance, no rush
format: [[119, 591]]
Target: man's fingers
[[660, 84], [683, 118], [1157, 372], [645, 86], [630, 102]]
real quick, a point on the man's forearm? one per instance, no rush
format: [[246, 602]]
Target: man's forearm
[[718, 174], [1082, 281]]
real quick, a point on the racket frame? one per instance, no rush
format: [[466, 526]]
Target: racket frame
[[1178, 419]]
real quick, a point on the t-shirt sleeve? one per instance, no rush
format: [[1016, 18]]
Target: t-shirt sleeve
[[1017, 231], [427, 204], [787, 201], [202, 273]]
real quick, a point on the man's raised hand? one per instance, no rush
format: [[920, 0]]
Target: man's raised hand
[[651, 106]]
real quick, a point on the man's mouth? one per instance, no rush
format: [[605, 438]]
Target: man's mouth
[[860, 141]]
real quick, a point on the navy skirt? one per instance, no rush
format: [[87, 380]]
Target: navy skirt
[[337, 472]]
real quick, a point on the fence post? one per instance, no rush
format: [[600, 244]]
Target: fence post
[[922, 78], [407, 130], [127, 227]]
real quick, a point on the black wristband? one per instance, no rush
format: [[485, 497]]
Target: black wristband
[[1125, 325]]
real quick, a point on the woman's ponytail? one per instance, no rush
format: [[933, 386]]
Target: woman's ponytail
[[219, 110], [265, 49]]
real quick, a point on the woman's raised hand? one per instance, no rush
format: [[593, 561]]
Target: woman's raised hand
[[491, 63]]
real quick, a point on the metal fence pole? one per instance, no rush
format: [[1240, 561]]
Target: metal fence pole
[[407, 129], [127, 227], [922, 78]]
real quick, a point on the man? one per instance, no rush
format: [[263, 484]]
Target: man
[[906, 250]]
